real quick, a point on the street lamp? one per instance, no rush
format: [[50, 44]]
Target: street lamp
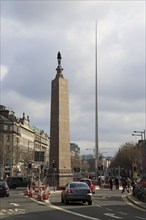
[[142, 144]]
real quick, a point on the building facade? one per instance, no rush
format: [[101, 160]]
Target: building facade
[[21, 144]]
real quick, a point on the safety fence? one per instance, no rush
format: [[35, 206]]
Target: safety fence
[[39, 192]]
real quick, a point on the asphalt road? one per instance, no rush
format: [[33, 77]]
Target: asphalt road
[[107, 205]]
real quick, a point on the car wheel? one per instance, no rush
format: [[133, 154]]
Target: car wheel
[[62, 200], [66, 201], [89, 202]]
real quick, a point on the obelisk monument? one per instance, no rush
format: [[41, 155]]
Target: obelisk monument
[[60, 156]]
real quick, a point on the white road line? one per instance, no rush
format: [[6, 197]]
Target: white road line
[[109, 209], [22, 211], [1, 213], [74, 213], [99, 206], [112, 215], [122, 213], [140, 217], [15, 204]]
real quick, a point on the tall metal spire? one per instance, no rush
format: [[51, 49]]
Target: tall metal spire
[[96, 107]]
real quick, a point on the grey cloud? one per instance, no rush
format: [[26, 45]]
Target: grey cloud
[[33, 33]]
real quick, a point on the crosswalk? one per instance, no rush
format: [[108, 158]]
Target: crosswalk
[[14, 211]]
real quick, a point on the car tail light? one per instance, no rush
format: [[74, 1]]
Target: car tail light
[[69, 191], [5, 187]]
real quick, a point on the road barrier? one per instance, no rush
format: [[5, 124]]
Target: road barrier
[[40, 194], [46, 192], [38, 190], [31, 194]]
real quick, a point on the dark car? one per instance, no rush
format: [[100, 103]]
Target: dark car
[[17, 181], [76, 191], [90, 184], [4, 189]]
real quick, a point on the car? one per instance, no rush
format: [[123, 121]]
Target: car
[[76, 191], [4, 188], [90, 184], [17, 181]]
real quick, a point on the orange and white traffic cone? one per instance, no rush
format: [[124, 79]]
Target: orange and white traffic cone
[[28, 191], [31, 192], [40, 194], [46, 192]]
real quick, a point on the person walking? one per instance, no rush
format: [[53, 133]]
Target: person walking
[[116, 182], [124, 185], [111, 183]]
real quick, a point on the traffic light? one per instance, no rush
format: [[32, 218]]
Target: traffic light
[[135, 168], [29, 165], [53, 163], [99, 167]]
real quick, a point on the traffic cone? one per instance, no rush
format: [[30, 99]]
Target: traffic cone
[[40, 194], [28, 191], [46, 192], [31, 194]]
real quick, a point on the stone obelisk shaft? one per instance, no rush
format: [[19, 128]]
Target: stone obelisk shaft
[[60, 129]]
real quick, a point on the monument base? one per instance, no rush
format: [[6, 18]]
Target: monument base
[[59, 178]]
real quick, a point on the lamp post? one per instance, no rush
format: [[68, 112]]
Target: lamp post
[[142, 144]]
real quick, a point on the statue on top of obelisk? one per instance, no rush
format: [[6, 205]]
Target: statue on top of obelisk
[[59, 67]]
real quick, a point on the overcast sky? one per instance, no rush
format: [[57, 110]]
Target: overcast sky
[[32, 33]]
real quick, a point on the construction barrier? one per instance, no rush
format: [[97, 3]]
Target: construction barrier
[[26, 193], [105, 186], [46, 192], [38, 190], [40, 194], [31, 194]]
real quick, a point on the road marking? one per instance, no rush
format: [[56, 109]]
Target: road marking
[[22, 211], [73, 213], [15, 204], [122, 213], [109, 209], [112, 215], [6, 212], [140, 217], [99, 206]]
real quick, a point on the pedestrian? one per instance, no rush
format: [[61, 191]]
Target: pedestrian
[[29, 182], [116, 182], [133, 183], [124, 185], [111, 183], [99, 181], [129, 183]]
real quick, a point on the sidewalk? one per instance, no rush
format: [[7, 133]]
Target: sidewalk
[[136, 201], [129, 197]]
